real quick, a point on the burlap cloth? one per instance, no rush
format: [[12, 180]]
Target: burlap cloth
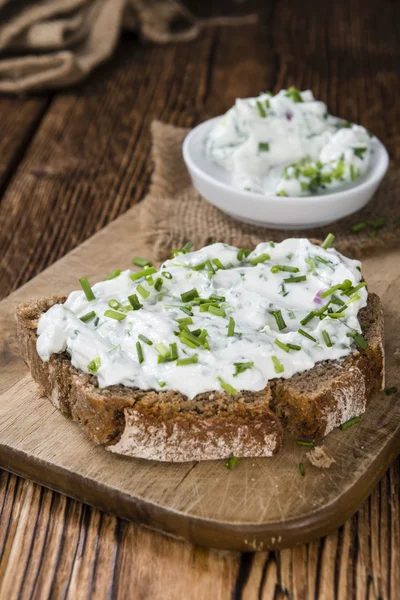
[[47, 44], [174, 213]]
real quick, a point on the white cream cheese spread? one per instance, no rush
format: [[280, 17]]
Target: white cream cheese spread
[[218, 318], [289, 145]]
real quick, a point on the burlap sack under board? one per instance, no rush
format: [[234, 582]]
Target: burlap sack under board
[[175, 213]]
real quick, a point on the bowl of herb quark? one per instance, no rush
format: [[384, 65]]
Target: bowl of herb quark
[[283, 161]]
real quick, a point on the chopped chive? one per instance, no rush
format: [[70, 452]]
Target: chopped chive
[[187, 247], [113, 314], [145, 339], [199, 267], [113, 275], [142, 291], [294, 94], [217, 298], [243, 253], [214, 310], [134, 301], [282, 345], [291, 314], [143, 273], [141, 262], [358, 227], [173, 350], [185, 321], [282, 193], [261, 109], [348, 424], [327, 338], [336, 315], [321, 310], [204, 307], [196, 332], [186, 310], [311, 264], [150, 280], [279, 319], [228, 388], [336, 300], [278, 366], [263, 146], [359, 340], [161, 384], [231, 463], [139, 352], [391, 390], [189, 339], [353, 290], [307, 335], [308, 318], [302, 443], [87, 289], [295, 279], [277, 268], [359, 152], [328, 241], [218, 263], [231, 327], [88, 317], [158, 284], [94, 365], [191, 360], [353, 176], [259, 259], [378, 223], [294, 347], [113, 303], [241, 367], [210, 266], [322, 260], [190, 295], [162, 350], [166, 274], [96, 321], [346, 284], [302, 469]]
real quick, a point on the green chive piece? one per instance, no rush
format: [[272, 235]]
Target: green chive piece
[[214, 310], [241, 367], [143, 292], [295, 279], [139, 352], [199, 267], [134, 301], [294, 94], [204, 307], [302, 469], [158, 284], [145, 339], [321, 310], [259, 259], [261, 109], [187, 247], [186, 310], [113, 275], [346, 284], [322, 260], [88, 317], [378, 223], [162, 350], [282, 193], [231, 327], [359, 152], [282, 345], [294, 347], [243, 253], [277, 268], [218, 263], [142, 262], [336, 300], [191, 360], [302, 443], [166, 274], [328, 241], [161, 384], [350, 423], [87, 289], [278, 366], [337, 315], [231, 462], [190, 295], [228, 388], [263, 146], [353, 175], [189, 339], [94, 365], [279, 319], [311, 264], [114, 304], [113, 314], [217, 298], [143, 273], [359, 340], [308, 318], [391, 390], [353, 290], [185, 321], [327, 338], [358, 227], [307, 335]]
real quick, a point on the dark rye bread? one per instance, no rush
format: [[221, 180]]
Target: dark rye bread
[[167, 426], [147, 424]]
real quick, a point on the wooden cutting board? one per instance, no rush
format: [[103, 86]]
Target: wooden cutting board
[[262, 503]]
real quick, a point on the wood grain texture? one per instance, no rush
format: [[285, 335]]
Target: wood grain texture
[[348, 53]]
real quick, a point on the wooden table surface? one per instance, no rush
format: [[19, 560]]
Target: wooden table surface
[[348, 53]]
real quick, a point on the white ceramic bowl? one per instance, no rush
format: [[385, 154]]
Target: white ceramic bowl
[[214, 183]]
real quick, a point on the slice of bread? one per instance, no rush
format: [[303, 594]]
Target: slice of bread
[[166, 426]]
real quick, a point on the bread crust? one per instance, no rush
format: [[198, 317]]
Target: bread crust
[[166, 426]]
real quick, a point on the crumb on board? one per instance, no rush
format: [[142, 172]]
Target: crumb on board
[[319, 457]]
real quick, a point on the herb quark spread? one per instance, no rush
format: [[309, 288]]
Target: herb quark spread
[[289, 145], [220, 318]]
